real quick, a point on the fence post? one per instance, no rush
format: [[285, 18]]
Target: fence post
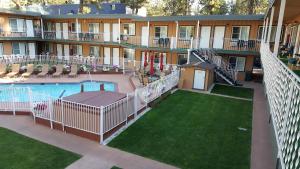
[[135, 103], [101, 124], [62, 114], [127, 109], [50, 112], [31, 103], [13, 101]]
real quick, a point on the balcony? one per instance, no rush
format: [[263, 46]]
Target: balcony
[[170, 43], [19, 35]]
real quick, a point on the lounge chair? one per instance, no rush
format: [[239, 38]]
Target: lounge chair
[[29, 70], [15, 70], [44, 72], [145, 81], [59, 71], [2, 69], [74, 71]]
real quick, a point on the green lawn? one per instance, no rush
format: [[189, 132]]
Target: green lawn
[[297, 72], [192, 130], [20, 152], [233, 91]]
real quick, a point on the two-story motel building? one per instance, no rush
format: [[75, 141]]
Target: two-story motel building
[[116, 38]]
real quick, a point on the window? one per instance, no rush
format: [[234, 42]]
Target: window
[[75, 50], [17, 25], [94, 51], [113, 7], [18, 48], [160, 31], [240, 32], [260, 32], [129, 54], [49, 26], [186, 32], [238, 63], [73, 27], [157, 59], [182, 59], [273, 33], [93, 27], [49, 47], [129, 29]]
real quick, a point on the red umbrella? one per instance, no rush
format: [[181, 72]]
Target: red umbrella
[[161, 65], [152, 65], [145, 60]]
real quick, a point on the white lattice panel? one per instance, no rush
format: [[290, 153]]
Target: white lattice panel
[[283, 91]]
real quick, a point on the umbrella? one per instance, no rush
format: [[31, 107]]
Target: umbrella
[[161, 66], [145, 60], [152, 65]]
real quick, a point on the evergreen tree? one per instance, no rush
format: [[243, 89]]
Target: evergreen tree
[[170, 7], [213, 7]]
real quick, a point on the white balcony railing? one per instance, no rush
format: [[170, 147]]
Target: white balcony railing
[[9, 34], [282, 87]]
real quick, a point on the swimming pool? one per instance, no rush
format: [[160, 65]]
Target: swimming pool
[[55, 90]]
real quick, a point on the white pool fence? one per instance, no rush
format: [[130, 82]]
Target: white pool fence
[[101, 121]]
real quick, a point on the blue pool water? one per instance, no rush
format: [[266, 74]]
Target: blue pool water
[[55, 90]]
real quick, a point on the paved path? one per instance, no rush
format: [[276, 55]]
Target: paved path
[[261, 148], [94, 155]]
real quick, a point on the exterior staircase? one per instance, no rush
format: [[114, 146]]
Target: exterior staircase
[[223, 69]]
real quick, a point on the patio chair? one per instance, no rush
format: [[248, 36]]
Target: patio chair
[[145, 81], [15, 70], [45, 70], [59, 71], [29, 70], [74, 71], [2, 69], [105, 69]]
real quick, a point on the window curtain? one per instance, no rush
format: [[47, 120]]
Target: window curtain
[[244, 35]]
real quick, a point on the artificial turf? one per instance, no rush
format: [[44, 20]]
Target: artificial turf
[[192, 130], [233, 91], [20, 152]]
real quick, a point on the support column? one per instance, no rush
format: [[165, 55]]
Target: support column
[[176, 36], [188, 56], [266, 30], [279, 27], [148, 24], [197, 34], [119, 36], [42, 28], [270, 25], [77, 30]]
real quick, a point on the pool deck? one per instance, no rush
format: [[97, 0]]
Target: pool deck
[[123, 81]]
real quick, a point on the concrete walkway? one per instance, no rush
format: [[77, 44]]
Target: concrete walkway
[[261, 148], [94, 155]]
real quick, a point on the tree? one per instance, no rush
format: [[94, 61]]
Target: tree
[[243, 7], [213, 7], [170, 7], [134, 5]]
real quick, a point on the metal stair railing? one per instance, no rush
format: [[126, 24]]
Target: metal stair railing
[[224, 69]]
